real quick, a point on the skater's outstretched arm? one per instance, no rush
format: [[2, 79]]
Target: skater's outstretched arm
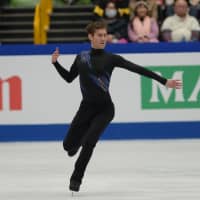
[[123, 63], [68, 76]]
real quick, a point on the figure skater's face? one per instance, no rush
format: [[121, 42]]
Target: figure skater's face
[[98, 39]]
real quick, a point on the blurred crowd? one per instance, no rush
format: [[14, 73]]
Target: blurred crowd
[[145, 20], [150, 20]]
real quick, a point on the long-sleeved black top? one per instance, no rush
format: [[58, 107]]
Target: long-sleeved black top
[[94, 68]]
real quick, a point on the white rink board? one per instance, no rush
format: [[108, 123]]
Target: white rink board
[[47, 99]]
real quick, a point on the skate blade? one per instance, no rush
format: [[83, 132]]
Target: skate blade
[[73, 194]]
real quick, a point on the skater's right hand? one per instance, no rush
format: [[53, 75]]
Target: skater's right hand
[[55, 55]]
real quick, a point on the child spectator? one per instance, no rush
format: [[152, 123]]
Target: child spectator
[[142, 27]]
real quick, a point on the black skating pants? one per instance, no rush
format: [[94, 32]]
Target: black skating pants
[[85, 130]]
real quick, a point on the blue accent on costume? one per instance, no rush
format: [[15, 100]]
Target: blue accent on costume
[[101, 81]]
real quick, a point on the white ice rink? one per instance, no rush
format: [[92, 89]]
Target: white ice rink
[[121, 170]]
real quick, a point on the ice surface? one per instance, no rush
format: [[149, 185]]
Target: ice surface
[[119, 170]]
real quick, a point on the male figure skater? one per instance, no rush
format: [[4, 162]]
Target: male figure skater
[[96, 110]]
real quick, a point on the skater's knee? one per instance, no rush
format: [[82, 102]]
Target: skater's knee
[[71, 150], [65, 146], [111, 114]]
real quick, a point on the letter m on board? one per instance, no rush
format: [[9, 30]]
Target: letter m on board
[[14, 92]]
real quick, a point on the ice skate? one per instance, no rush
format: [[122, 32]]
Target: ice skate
[[74, 186]]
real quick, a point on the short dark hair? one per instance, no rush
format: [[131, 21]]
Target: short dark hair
[[93, 26]]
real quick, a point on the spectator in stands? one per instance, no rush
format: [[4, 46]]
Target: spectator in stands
[[122, 7], [117, 26], [152, 6], [194, 8], [181, 26], [142, 27]]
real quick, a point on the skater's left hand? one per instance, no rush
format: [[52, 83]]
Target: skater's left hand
[[177, 84]]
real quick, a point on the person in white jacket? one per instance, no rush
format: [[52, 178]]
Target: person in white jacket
[[181, 26]]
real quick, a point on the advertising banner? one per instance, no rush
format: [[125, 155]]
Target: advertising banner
[[32, 92], [156, 97]]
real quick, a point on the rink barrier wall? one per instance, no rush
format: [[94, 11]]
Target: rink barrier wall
[[115, 131], [124, 130], [115, 48]]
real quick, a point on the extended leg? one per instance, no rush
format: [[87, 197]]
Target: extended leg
[[95, 130]]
